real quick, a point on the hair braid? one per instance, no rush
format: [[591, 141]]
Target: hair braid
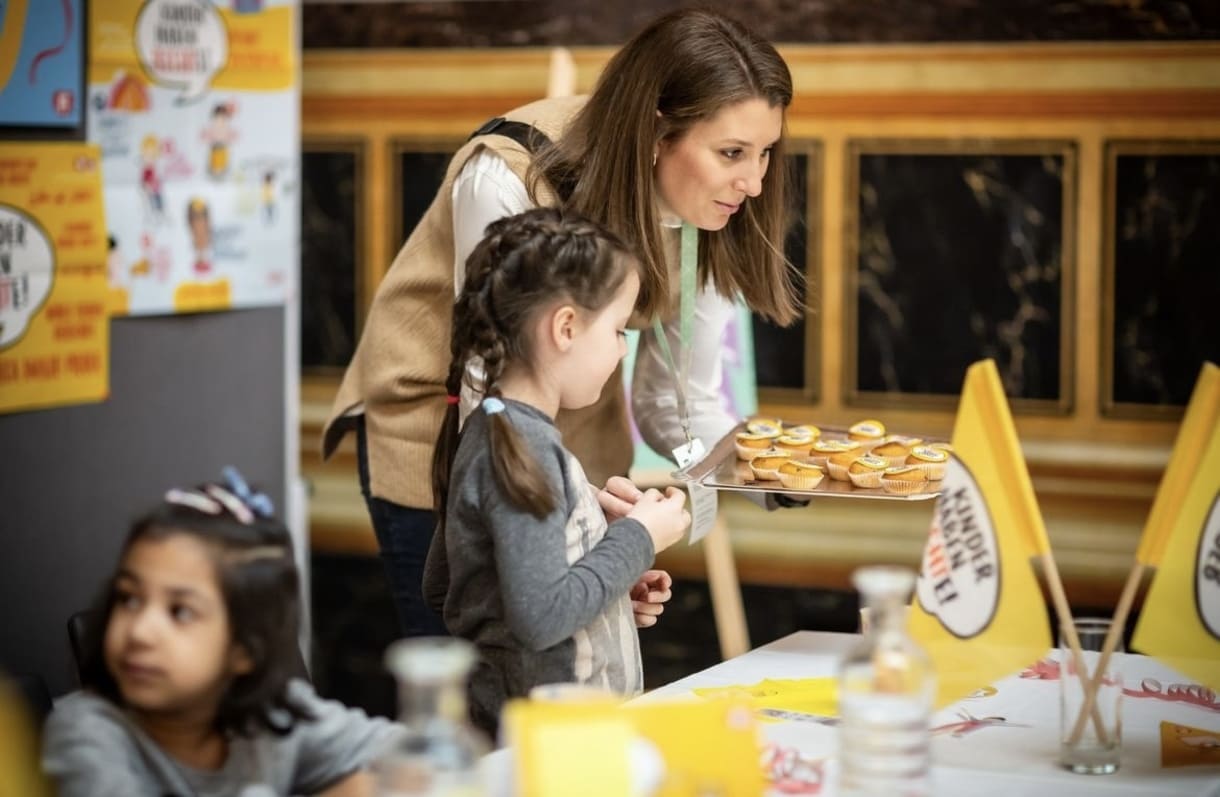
[[523, 263]]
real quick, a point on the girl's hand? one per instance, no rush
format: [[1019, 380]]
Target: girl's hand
[[664, 516], [617, 497], [648, 597]]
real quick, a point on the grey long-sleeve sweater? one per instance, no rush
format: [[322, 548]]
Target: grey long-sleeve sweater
[[545, 600]]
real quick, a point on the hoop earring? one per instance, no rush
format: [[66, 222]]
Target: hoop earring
[[654, 159]]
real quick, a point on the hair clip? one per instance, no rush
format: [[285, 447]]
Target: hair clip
[[232, 503], [193, 500], [492, 405], [258, 502]]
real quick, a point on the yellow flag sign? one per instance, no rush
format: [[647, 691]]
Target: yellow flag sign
[[978, 610], [1180, 622]]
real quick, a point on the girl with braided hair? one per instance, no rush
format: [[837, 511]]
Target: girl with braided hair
[[525, 562], [191, 664]]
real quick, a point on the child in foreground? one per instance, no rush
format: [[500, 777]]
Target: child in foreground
[[188, 680], [525, 562]]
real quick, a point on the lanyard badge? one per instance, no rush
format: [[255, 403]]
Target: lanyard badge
[[703, 500]]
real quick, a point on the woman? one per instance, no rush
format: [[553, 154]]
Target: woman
[[683, 126]]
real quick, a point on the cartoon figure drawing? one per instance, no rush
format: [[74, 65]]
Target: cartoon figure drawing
[[1043, 670], [150, 181], [219, 134], [970, 723], [791, 773], [199, 221], [268, 196]]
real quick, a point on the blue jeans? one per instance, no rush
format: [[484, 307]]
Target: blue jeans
[[403, 535]]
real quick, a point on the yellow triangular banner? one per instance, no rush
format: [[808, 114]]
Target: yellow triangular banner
[[1180, 621], [978, 609]]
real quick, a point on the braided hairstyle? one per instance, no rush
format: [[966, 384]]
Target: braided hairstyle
[[523, 264], [252, 555]]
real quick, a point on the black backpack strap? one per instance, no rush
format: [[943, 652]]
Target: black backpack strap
[[524, 134]]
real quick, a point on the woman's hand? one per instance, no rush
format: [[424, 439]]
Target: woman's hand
[[648, 597]]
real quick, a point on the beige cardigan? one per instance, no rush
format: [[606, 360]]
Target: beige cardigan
[[397, 376]]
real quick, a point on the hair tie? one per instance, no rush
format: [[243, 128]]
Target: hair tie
[[492, 405], [258, 502], [452, 400]]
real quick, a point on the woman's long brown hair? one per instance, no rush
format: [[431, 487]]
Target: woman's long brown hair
[[689, 65]]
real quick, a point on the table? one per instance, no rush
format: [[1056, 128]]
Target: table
[[998, 761]]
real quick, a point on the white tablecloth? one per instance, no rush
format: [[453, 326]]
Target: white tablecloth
[[998, 761]]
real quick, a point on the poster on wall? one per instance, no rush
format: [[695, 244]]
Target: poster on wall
[[194, 106], [41, 63], [54, 324]]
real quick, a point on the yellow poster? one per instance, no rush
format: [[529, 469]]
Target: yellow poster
[[194, 105], [54, 317]]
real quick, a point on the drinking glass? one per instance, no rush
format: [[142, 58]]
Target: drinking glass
[[1092, 744]]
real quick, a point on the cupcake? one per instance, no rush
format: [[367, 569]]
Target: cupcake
[[867, 431], [838, 463], [800, 475], [892, 448], [799, 446], [932, 460], [750, 444], [765, 466], [804, 430], [904, 480], [772, 426], [866, 471], [946, 447], [821, 450]]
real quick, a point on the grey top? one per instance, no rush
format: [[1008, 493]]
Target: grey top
[[545, 600], [91, 748]]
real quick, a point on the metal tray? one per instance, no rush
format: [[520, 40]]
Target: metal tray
[[722, 470]]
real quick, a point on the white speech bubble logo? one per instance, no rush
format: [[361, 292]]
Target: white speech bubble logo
[[959, 581], [27, 268], [1207, 571], [182, 44]]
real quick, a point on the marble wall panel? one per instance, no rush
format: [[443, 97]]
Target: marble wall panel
[[1161, 273], [419, 170], [540, 23], [786, 357], [330, 246], [958, 251]]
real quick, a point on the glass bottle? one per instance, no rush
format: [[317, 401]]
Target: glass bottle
[[439, 754], [886, 689]]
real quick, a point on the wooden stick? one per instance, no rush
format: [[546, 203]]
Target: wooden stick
[[1068, 627], [1107, 649]]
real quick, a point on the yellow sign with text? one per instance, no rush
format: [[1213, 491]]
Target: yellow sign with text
[[1180, 621], [54, 314], [978, 609], [193, 45]]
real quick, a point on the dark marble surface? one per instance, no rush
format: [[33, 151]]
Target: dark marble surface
[[1165, 222], [779, 359], [328, 257], [1166, 317], [420, 175], [533, 23], [959, 259]]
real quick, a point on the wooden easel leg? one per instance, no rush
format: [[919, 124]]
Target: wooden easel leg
[[725, 591]]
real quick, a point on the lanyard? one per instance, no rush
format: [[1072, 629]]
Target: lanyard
[[686, 320]]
